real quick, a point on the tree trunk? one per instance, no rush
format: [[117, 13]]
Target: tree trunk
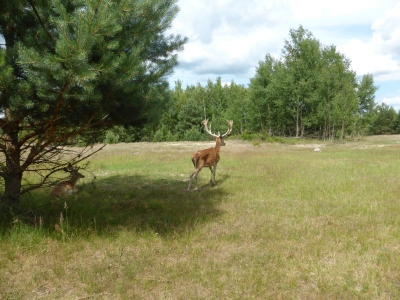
[[297, 122], [12, 188], [342, 134], [12, 172]]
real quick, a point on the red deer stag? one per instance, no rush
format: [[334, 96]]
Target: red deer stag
[[208, 157], [66, 188]]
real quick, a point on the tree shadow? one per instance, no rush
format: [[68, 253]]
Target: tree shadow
[[138, 203]]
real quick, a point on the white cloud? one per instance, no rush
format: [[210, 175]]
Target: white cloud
[[385, 44], [337, 12], [367, 60], [377, 54], [394, 102], [228, 38], [387, 31]]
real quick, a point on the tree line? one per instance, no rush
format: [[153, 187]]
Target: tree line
[[308, 92]]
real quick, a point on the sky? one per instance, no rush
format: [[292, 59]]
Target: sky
[[228, 38]]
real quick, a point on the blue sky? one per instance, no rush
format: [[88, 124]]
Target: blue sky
[[228, 38]]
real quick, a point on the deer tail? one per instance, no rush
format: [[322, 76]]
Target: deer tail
[[194, 161]]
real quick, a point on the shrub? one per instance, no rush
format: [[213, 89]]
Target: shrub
[[169, 137], [159, 136], [247, 136], [111, 137], [193, 134]]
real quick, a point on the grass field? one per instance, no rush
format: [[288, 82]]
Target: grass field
[[283, 222]]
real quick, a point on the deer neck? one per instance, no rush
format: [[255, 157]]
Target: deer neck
[[74, 180], [217, 145]]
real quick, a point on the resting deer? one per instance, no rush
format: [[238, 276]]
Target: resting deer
[[66, 188], [208, 157]]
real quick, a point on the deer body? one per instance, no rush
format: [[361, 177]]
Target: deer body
[[208, 157], [66, 188]]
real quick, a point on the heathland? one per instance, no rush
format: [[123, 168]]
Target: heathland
[[283, 222]]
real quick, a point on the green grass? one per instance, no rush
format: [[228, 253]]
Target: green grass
[[283, 222]]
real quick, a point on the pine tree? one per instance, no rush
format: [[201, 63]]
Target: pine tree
[[72, 68]]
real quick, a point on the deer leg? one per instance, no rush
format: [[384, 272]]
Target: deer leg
[[194, 175], [211, 182], [215, 171], [197, 185], [190, 181]]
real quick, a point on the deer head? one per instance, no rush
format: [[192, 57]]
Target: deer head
[[216, 136], [75, 175]]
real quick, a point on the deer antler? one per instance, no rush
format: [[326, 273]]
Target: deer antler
[[230, 124], [70, 168], [208, 130]]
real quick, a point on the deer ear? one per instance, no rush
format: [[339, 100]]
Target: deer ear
[[68, 168]]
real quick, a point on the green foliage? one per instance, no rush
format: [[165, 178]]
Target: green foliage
[[366, 100], [385, 121], [193, 134], [189, 116], [189, 107], [261, 106], [164, 135], [247, 136], [237, 106], [121, 134], [159, 136], [111, 137]]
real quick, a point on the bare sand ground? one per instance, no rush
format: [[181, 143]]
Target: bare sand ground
[[240, 146]]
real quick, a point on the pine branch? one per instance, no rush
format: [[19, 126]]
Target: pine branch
[[38, 150], [40, 20]]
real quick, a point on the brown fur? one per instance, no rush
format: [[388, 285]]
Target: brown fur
[[66, 188]]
